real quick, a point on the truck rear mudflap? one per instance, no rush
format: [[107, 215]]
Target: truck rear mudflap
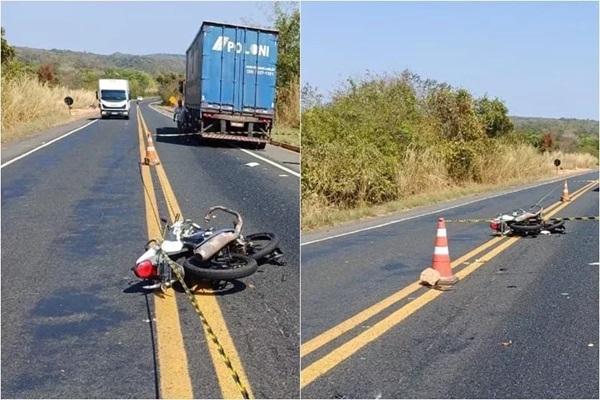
[[233, 138]]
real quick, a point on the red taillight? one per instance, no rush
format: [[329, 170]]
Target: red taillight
[[495, 225], [145, 270]]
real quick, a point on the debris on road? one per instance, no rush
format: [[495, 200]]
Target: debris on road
[[430, 276], [507, 343]]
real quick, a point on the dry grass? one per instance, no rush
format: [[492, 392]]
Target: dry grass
[[29, 106], [288, 106], [287, 135], [422, 178]]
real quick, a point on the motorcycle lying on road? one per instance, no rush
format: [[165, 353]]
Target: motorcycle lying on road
[[525, 223], [209, 254]]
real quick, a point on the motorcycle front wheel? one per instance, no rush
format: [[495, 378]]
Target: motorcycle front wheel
[[234, 266]]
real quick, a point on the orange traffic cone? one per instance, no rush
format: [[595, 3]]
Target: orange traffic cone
[[565, 196], [151, 155], [441, 256]]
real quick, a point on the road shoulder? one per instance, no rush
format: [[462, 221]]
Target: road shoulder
[[18, 147], [368, 223]]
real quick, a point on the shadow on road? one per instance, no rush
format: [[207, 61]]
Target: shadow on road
[[197, 287], [137, 288], [172, 135], [206, 288]]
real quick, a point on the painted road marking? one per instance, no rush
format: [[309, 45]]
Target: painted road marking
[[368, 228], [353, 322], [252, 164], [46, 144], [210, 307], [273, 163], [347, 349], [175, 381]]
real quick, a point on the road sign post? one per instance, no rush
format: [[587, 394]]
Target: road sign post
[[69, 102]]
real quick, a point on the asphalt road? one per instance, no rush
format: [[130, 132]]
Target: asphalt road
[[262, 314], [74, 321], [523, 325]]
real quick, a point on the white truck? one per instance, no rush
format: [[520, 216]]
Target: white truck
[[113, 96]]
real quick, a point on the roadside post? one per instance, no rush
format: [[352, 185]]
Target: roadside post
[[69, 102], [557, 165]]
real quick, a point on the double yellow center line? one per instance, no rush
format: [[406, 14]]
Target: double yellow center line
[[347, 349], [174, 374]]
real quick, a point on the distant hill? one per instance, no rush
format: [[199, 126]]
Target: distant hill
[[570, 134], [568, 127], [66, 60]]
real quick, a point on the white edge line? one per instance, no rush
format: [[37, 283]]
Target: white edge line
[[46, 144], [273, 163], [164, 113], [433, 212]]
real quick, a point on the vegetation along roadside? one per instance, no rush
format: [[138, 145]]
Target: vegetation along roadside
[[390, 142]]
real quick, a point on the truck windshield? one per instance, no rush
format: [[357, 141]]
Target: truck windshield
[[113, 95]]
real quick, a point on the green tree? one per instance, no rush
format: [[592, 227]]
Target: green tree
[[8, 52], [288, 55], [11, 66], [168, 86], [493, 114], [139, 82]]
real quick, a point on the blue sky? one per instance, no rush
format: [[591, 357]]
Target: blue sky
[[126, 27], [540, 58]]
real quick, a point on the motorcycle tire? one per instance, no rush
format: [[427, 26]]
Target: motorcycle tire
[[264, 243], [237, 266], [556, 226], [527, 229]]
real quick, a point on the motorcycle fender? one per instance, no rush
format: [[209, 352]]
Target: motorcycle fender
[[149, 254], [212, 246], [171, 246]]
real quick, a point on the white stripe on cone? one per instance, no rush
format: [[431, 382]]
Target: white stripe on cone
[[440, 251], [441, 232]]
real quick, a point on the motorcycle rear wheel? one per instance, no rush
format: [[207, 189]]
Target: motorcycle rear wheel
[[261, 244], [235, 266], [527, 229]]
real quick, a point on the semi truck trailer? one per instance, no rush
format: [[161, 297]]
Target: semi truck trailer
[[230, 81], [113, 97]]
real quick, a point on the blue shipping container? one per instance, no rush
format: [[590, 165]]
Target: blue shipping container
[[232, 70]]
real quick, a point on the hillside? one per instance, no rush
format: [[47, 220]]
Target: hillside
[[152, 64], [557, 126]]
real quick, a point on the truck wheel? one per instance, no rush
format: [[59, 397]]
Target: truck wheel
[[260, 146]]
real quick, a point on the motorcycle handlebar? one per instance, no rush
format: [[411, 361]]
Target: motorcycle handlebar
[[239, 222]]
